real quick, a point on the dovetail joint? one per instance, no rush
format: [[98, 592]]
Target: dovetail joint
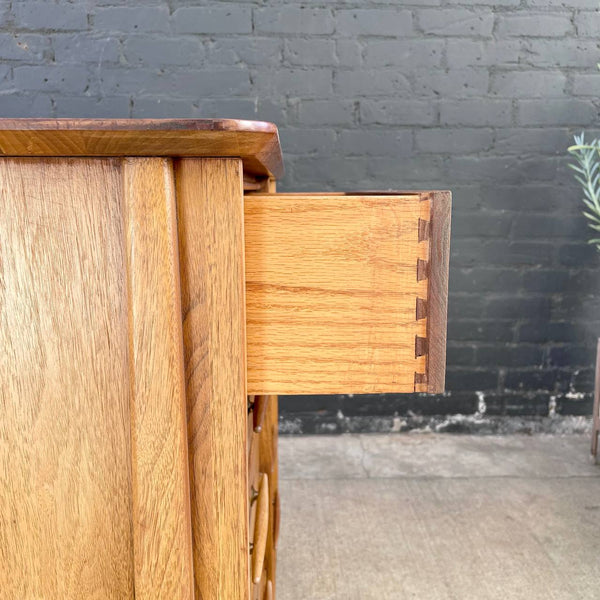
[[420, 379], [422, 269], [420, 346], [421, 309], [424, 230]]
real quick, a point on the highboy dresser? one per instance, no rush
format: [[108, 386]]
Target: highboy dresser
[[156, 294]]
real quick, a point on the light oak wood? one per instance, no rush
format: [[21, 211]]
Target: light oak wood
[[211, 222], [127, 454], [253, 465], [254, 477], [160, 481], [65, 449], [261, 529], [255, 142], [259, 589], [332, 286], [276, 521], [258, 413], [269, 464]]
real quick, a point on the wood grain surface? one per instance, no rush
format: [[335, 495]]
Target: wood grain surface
[[253, 467], [269, 464], [211, 243], [259, 589], [437, 293], [332, 289], [259, 411], [160, 480], [65, 513], [255, 142], [261, 529]]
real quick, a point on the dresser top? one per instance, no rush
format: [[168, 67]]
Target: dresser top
[[255, 142]]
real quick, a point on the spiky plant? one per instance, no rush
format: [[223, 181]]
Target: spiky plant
[[587, 173]]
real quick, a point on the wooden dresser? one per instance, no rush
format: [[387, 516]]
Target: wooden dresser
[[156, 294]]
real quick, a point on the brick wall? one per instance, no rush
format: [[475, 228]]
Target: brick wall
[[481, 97]]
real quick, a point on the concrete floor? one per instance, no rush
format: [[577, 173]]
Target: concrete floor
[[440, 517]]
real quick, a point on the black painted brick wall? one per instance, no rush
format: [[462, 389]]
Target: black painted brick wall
[[481, 97]]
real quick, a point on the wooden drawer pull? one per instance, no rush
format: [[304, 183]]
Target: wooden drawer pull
[[259, 590], [260, 529], [254, 467], [259, 411]]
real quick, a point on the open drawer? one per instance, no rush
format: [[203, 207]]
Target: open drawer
[[355, 302]]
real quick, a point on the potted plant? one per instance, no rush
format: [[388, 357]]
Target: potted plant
[[587, 173]]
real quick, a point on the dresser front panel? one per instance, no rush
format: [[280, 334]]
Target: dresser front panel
[[65, 446]]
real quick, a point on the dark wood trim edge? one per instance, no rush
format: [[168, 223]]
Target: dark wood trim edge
[[437, 296]]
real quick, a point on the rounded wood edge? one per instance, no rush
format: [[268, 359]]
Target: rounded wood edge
[[255, 142], [276, 519], [261, 528], [137, 125], [258, 414]]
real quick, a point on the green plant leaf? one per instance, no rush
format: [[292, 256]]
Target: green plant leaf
[[587, 174]]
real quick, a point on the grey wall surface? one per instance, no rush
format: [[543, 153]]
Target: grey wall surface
[[480, 97]]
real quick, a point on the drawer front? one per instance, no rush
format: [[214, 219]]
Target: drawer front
[[262, 493]]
